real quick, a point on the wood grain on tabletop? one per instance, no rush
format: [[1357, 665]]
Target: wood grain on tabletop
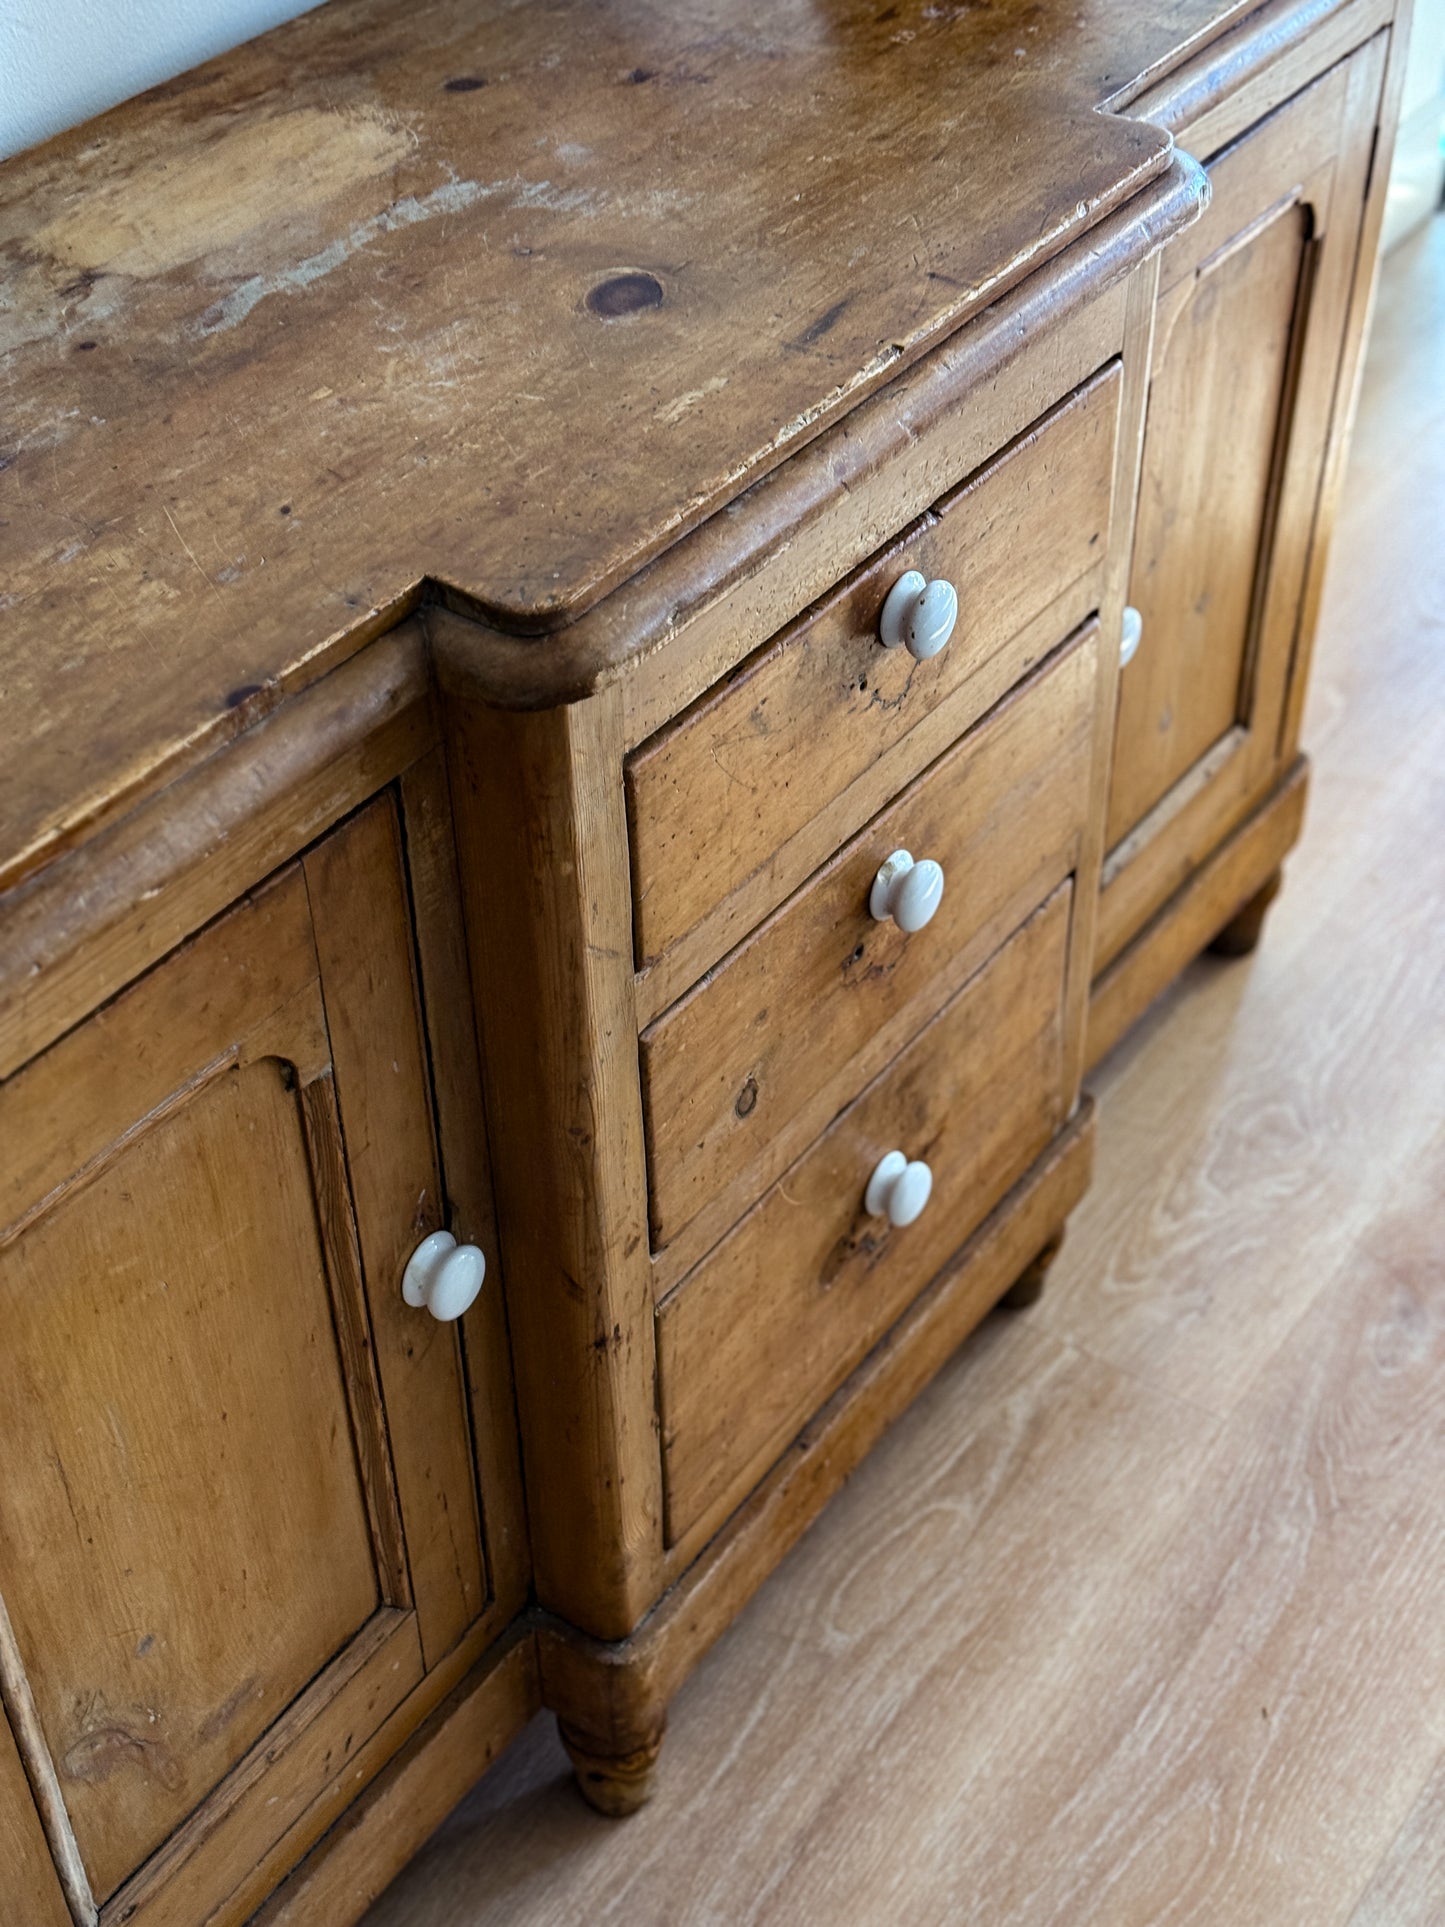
[[480, 295], [99, 916], [1140, 1613]]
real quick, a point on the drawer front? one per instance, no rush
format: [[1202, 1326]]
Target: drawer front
[[773, 1320], [721, 791], [738, 1070]]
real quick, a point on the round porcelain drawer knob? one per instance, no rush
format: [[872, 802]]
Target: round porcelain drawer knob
[[898, 1189], [1132, 636], [444, 1276], [918, 614], [908, 892]]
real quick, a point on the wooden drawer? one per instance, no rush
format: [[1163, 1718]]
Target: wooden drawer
[[773, 1320], [802, 731], [753, 1062]]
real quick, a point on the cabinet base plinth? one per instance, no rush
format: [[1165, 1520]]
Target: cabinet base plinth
[[611, 1696], [1235, 884]]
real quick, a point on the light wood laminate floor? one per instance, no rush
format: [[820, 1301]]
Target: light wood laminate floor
[[1138, 1618]]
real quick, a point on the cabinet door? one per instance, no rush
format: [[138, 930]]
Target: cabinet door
[[238, 1520], [1247, 343]]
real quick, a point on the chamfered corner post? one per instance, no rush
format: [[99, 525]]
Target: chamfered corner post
[[542, 843]]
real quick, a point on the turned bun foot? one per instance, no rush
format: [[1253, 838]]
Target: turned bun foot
[[614, 1783], [1242, 933], [1028, 1287]]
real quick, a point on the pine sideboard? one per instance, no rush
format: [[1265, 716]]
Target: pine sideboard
[[629, 636]]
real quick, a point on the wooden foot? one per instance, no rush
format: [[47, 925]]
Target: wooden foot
[[1240, 935], [614, 1783], [1028, 1287]]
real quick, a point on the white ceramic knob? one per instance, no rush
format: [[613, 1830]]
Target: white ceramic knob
[[444, 1276], [898, 1189], [1133, 633], [908, 892], [919, 614]]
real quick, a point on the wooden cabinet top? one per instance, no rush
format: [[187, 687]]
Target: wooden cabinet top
[[502, 298]]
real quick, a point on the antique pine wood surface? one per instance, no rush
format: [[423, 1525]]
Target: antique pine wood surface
[[1173, 840], [1196, 913], [565, 765], [90, 1174], [743, 772], [537, 795], [411, 1795], [1193, 556], [364, 941], [790, 1301], [33, 1886], [167, 1623], [1253, 306], [101, 914], [468, 1208], [620, 1691], [1169, 1547], [683, 622], [728, 1071], [304, 328]]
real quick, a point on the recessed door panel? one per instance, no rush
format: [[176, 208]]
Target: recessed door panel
[[1252, 308], [1216, 425], [178, 1565], [239, 1518]]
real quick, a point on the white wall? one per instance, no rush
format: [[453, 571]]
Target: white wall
[[63, 60], [1419, 167]]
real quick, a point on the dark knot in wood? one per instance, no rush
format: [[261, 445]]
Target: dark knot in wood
[[629, 293]]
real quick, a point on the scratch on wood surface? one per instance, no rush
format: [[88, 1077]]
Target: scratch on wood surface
[[187, 547], [673, 411], [211, 1728]]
